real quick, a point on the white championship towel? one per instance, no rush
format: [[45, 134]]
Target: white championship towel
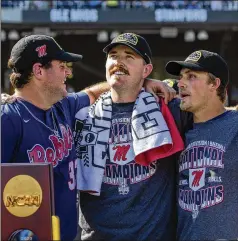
[[149, 131]]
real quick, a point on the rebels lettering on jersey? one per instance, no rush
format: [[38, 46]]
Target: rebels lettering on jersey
[[60, 150]]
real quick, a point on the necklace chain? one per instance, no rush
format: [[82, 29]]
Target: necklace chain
[[54, 123], [55, 130]]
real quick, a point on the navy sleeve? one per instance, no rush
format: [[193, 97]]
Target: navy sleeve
[[10, 136], [183, 119], [75, 102]]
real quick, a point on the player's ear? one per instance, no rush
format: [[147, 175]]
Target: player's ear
[[217, 83], [147, 70], [37, 70]]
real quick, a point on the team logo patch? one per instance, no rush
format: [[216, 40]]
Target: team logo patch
[[127, 37], [41, 51], [121, 154], [195, 56], [196, 178]]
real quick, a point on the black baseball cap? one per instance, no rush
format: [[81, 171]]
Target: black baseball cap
[[135, 42], [202, 60], [39, 49]]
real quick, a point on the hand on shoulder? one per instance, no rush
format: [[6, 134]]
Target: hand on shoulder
[[159, 89], [7, 99]]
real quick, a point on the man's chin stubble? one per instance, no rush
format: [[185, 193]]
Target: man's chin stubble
[[182, 107]]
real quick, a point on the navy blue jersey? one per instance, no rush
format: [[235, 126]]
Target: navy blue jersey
[[208, 183], [136, 202], [32, 135]]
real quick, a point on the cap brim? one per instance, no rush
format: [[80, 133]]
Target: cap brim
[[69, 57], [110, 46], [174, 67]]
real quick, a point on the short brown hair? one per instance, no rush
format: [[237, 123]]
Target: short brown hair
[[221, 90], [20, 78]]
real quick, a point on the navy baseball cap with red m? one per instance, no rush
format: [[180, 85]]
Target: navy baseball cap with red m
[[202, 60], [38, 49]]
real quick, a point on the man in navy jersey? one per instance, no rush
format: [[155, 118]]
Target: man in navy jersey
[[207, 168], [34, 128], [38, 126], [133, 202]]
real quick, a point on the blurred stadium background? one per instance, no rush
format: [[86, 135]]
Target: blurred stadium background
[[174, 29]]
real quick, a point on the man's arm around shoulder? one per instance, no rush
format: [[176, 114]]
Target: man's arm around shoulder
[[96, 90]]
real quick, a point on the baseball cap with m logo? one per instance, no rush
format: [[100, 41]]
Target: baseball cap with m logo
[[39, 49]]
